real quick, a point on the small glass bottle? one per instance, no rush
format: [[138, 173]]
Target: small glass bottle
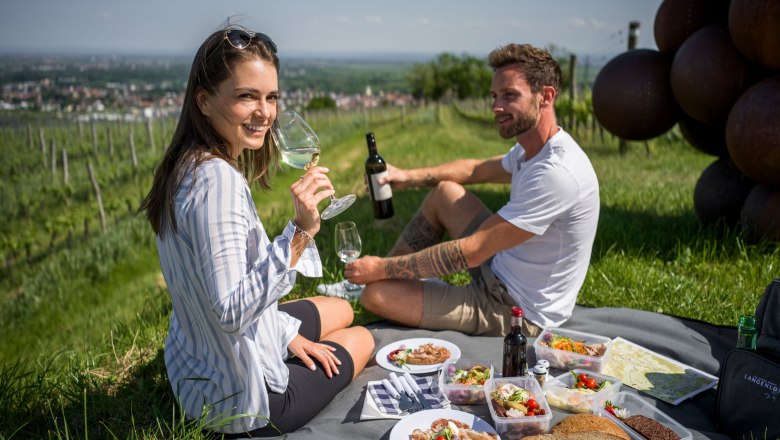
[[515, 347], [746, 332], [540, 373]]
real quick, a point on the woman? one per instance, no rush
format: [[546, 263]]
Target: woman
[[232, 350]]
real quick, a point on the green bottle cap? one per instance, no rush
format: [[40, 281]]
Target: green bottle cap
[[747, 322]]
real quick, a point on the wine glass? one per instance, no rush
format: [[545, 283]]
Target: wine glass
[[300, 148], [348, 247]]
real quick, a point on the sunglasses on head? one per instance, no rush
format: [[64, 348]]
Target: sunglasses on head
[[240, 38]]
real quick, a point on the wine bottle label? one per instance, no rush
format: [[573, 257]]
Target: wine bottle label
[[381, 192]]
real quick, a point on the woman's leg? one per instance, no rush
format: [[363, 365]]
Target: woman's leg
[[335, 313], [359, 343], [336, 316]]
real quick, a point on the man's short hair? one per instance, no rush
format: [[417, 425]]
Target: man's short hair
[[538, 65]]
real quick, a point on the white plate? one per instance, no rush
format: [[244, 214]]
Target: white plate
[[382, 361], [423, 419]]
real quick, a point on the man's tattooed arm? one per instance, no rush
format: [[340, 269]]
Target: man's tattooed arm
[[436, 261]]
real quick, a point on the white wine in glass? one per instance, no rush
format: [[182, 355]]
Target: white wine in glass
[[348, 247], [300, 148]]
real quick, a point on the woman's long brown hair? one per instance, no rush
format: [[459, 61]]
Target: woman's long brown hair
[[195, 139]]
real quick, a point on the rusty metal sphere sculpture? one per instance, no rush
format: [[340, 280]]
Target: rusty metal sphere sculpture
[[720, 193], [755, 29], [708, 75], [761, 214], [753, 132], [707, 138], [676, 20], [632, 97]]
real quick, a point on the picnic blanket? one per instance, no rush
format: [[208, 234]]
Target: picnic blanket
[[698, 344]]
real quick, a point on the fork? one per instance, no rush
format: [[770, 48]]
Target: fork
[[418, 405], [405, 402]]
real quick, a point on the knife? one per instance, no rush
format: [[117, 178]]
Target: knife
[[406, 400], [417, 390]]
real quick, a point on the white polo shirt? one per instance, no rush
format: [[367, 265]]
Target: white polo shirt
[[555, 195]]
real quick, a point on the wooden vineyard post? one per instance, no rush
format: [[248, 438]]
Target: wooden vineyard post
[[150, 133], [65, 176], [30, 142], [94, 138], [133, 156], [43, 145], [163, 131], [572, 90], [96, 188], [53, 159], [110, 141]]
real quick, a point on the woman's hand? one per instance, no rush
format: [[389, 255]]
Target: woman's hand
[[306, 350], [365, 270], [307, 192]]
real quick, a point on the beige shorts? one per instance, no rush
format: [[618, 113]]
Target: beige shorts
[[483, 307]]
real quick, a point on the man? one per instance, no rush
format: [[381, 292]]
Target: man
[[533, 253]]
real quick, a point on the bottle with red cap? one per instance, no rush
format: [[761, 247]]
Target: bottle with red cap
[[515, 347]]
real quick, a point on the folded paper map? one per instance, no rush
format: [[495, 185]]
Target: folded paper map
[[655, 374]]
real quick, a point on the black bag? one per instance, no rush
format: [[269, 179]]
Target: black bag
[[748, 402]]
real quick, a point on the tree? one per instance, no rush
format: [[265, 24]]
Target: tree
[[321, 102], [448, 74]]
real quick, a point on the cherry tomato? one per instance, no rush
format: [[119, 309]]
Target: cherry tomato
[[610, 410], [532, 404], [531, 413], [441, 437], [392, 354], [591, 383], [582, 377], [579, 384]]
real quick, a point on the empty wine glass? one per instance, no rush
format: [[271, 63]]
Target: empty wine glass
[[348, 247], [300, 148]]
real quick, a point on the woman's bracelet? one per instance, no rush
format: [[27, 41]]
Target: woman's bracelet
[[309, 239]]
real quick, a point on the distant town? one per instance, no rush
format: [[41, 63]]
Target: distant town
[[132, 88]]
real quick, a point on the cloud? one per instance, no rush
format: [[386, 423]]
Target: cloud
[[423, 21], [374, 19], [576, 22], [598, 24], [342, 19], [516, 23]]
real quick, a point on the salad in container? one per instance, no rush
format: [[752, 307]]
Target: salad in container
[[575, 391], [463, 381], [569, 349]]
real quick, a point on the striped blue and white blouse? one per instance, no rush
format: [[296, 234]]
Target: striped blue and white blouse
[[227, 338]]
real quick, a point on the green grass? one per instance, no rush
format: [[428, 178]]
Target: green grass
[[83, 327]]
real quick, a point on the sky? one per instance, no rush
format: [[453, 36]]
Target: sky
[[326, 27]]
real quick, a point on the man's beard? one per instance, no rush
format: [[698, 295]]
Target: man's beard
[[524, 121]]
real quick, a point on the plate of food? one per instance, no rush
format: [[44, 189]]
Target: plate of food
[[417, 355], [430, 424]]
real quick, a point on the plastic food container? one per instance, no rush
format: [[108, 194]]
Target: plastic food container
[[561, 395], [634, 405], [568, 360], [517, 427], [461, 394]]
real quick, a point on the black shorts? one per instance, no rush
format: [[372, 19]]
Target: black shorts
[[298, 404]]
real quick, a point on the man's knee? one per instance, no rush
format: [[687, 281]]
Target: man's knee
[[448, 190], [371, 298]]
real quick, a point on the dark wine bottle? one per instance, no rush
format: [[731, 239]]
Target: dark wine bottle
[[381, 195], [515, 363]]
